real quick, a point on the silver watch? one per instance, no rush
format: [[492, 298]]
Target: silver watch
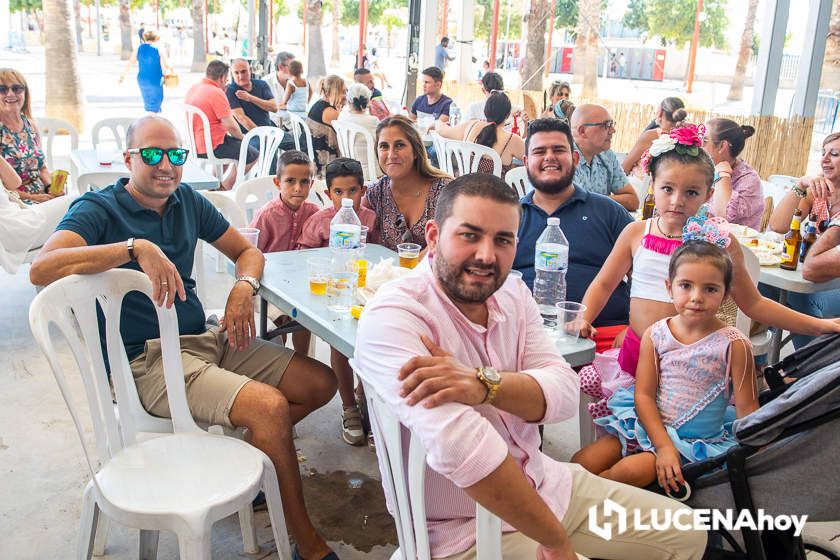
[[255, 284], [834, 222]]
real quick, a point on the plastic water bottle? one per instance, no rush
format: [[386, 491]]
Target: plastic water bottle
[[345, 237], [454, 115], [551, 259]]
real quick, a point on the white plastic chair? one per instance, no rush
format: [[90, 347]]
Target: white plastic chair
[[301, 129], [467, 156], [761, 341], [346, 134], [270, 138], [183, 481], [517, 178], [117, 126], [785, 181], [225, 203], [777, 186], [48, 128], [439, 144], [97, 180], [217, 165], [407, 489], [253, 194]]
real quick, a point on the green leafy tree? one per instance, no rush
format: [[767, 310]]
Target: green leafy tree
[[25, 5], [376, 9], [566, 14], [484, 19], [673, 20]]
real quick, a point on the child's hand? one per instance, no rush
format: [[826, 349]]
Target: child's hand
[[586, 329], [668, 470]]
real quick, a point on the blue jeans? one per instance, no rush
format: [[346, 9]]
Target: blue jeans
[[823, 305]]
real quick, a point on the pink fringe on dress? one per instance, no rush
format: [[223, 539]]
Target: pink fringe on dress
[[660, 245]]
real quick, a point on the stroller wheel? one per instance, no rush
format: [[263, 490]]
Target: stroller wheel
[[820, 548]]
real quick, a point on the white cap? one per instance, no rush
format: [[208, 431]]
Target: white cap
[[551, 221], [348, 203]]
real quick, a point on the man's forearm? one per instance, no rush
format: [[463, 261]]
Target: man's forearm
[[823, 260], [250, 263], [629, 201], [508, 494], [265, 104], [58, 263], [245, 121], [521, 395]]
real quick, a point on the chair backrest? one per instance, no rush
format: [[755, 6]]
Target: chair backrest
[[300, 131], [467, 156], [407, 488], [439, 144], [97, 180], [269, 139], [253, 194], [517, 178], [226, 204], [191, 113], [69, 305], [116, 126], [785, 181], [48, 128], [346, 134], [775, 190], [742, 322]]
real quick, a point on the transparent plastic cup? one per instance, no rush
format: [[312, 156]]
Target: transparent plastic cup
[[409, 254], [340, 290], [319, 275], [251, 234], [569, 319]]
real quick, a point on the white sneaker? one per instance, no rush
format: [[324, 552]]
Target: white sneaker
[[352, 431]]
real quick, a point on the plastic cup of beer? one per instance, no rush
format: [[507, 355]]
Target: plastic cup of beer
[[569, 319], [251, 234], [409, 254], [360, 267], [319, 275]]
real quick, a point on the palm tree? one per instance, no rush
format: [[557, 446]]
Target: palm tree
[[64, 94], [125, 30], [316, 66], [586, 63], [532, 75], [199, 53], [335, 59], [831, 59], [736, 90]]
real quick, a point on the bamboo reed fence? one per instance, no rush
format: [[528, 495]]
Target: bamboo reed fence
[[778, 147]]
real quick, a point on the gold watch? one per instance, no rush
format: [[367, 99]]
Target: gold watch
[[491, 379]]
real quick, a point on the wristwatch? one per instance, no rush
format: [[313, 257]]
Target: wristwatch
[[255, 284], [834, 223], [491, 379], [129, 244]]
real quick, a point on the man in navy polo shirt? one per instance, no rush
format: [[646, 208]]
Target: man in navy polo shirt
[[151, 223], [590, 222], [432, 102]]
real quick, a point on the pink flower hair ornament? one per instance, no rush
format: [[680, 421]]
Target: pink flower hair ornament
[[710, 230], [686, 140]]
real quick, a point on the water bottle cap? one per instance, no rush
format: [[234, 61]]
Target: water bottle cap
[[346, 202], [554, 221]]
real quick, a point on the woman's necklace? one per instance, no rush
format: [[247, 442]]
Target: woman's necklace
[[662, 231]]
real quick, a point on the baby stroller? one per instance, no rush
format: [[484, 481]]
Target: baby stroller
[[785, 462]]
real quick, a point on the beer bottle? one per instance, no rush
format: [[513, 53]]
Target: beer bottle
[[793, 239], [648, 205], [810, 237]]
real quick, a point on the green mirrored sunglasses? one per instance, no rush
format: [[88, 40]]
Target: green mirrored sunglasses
[[153, 156]]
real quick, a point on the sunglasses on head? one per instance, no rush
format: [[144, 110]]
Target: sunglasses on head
[[153, 156], [344, 167], [17, 89]]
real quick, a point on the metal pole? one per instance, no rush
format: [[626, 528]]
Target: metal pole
[[550, 33], [695, 39], [251, 34], [811, 59], [363, 19], [270, 22], [98, 31], [494, 34]]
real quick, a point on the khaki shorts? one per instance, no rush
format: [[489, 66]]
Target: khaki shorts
[[214, 373]]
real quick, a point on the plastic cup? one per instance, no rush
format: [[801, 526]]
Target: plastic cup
[[363, 237], [569, 319], [515, 274], [409, 254], [319, 275], [340, 290], [104, 155], [251, 234]]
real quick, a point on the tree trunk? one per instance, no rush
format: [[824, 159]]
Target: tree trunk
[[736, 90], [125, 30], [316, 66], [532, 78], [592, 9], [831, 61], [64, 91], [77, 20], [335, 59], [442, 16], [199, 61], [579, 52]]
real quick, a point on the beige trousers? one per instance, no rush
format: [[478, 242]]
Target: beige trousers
[[590, 490]]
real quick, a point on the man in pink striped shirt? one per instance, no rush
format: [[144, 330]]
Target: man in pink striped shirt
[[458, 352]]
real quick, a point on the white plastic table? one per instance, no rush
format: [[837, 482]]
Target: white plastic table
[[285, 284], [85, 162], [789, 281]]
